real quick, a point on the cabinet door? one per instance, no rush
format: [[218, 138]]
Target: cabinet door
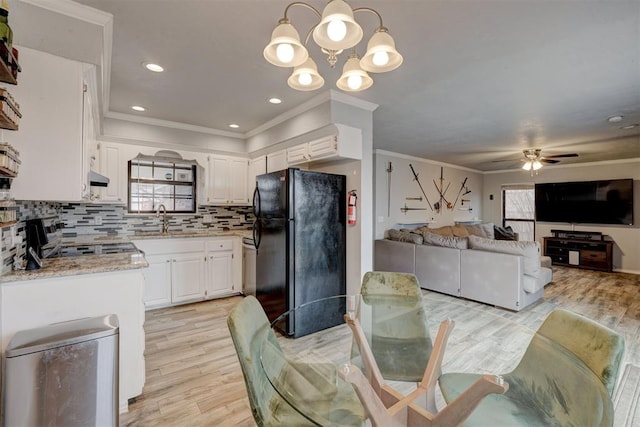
[[50, 94], [276, 161], [298, 154], [187, 277], [218, 180], [220, 273], [321, 148], [157, 289], [114, 167], [238, 181], [257, 166]]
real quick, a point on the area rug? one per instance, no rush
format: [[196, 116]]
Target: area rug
[[627, 398]]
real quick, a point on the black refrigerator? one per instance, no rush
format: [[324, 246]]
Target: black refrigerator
[[300, 240]]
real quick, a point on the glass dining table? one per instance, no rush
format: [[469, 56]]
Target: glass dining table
[[400, 333]]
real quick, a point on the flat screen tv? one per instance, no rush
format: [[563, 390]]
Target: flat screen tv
[[586, 202]]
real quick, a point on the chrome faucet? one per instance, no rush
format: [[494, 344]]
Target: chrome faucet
[[165, 223]]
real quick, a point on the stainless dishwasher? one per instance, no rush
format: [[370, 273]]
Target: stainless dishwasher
[[65, 374]]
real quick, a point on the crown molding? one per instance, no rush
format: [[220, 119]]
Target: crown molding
[[423, 160], [353, 101], [289, 114], [172, 125]]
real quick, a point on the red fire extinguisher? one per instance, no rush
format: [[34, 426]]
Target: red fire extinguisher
[[352, 200]]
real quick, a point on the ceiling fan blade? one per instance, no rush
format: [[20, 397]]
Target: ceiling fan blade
[[550, 161], [506, 160], [559, 156]]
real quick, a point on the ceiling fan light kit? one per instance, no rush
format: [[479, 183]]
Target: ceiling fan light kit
[[336, 31]]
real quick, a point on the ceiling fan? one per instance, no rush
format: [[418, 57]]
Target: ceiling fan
[[533, 160]]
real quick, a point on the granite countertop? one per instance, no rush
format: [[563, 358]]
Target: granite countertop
[[86, 264]]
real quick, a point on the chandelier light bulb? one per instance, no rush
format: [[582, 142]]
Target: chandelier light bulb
[[336, 30], [305, 79], [354, 82], [380, 58], [284, 51]]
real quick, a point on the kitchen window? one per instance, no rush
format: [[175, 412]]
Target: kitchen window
[[155, 181]]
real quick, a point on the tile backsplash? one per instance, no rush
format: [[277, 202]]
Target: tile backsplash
[[81, 219]]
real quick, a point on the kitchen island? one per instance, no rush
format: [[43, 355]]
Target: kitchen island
[[77, 287]]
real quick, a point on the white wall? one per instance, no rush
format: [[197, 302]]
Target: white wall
[[626, 252], [403, 186]]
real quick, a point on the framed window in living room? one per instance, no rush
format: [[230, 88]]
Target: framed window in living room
[[518, 210]]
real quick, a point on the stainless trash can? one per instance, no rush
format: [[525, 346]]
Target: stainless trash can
[[64, 374]]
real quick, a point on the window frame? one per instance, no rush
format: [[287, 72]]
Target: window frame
[[503, 190]]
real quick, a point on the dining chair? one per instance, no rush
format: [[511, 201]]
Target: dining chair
[[251, 331], [566, 377], [402, 345]]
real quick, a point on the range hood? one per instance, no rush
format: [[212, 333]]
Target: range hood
[[97, 180]]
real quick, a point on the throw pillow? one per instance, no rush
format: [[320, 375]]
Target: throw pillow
[[404, 236], [529, 249], [504, 233], [459, 230], [445, 241], [442, 231], [481, 230]]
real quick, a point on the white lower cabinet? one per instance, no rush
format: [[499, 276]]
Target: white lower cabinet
[[183, 270], [219, 267], [187, 277]]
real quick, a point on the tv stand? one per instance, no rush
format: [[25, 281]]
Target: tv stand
[[581, 249]]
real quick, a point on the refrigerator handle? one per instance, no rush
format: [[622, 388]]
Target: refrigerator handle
[[257, 234], [256, 201]]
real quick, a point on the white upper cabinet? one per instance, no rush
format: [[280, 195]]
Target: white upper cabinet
[[50, 137], [298, 154], [276, 161], [257, 166], [227, 180]]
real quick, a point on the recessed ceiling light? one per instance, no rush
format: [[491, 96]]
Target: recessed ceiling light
[[234, 126], [275, 100], [627, 127], [615, 119], [153, 67], [138, 108]]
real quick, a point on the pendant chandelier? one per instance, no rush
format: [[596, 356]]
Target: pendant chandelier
[[336, 31]]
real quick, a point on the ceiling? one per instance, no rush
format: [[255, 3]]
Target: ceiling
[[481, 80]]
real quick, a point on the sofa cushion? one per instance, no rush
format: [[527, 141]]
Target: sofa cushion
[[404, 236], [530, 250], [442, 231], [481, 230], [446, 241], [459, 230]]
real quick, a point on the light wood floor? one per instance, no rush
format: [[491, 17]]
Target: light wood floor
[[193, 376]]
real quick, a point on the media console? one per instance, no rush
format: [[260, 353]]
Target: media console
[[582, 249]]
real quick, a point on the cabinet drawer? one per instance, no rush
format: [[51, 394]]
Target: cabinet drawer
[[169, 245], [593, 256], [220, 245]]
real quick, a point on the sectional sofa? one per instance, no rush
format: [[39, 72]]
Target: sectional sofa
[[467, 262]]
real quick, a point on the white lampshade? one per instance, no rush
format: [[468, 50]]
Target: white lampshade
[[305, 77], [380, 47], [354, 78], [337, 29], [536, 165], [527, 165], [285, 41]]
